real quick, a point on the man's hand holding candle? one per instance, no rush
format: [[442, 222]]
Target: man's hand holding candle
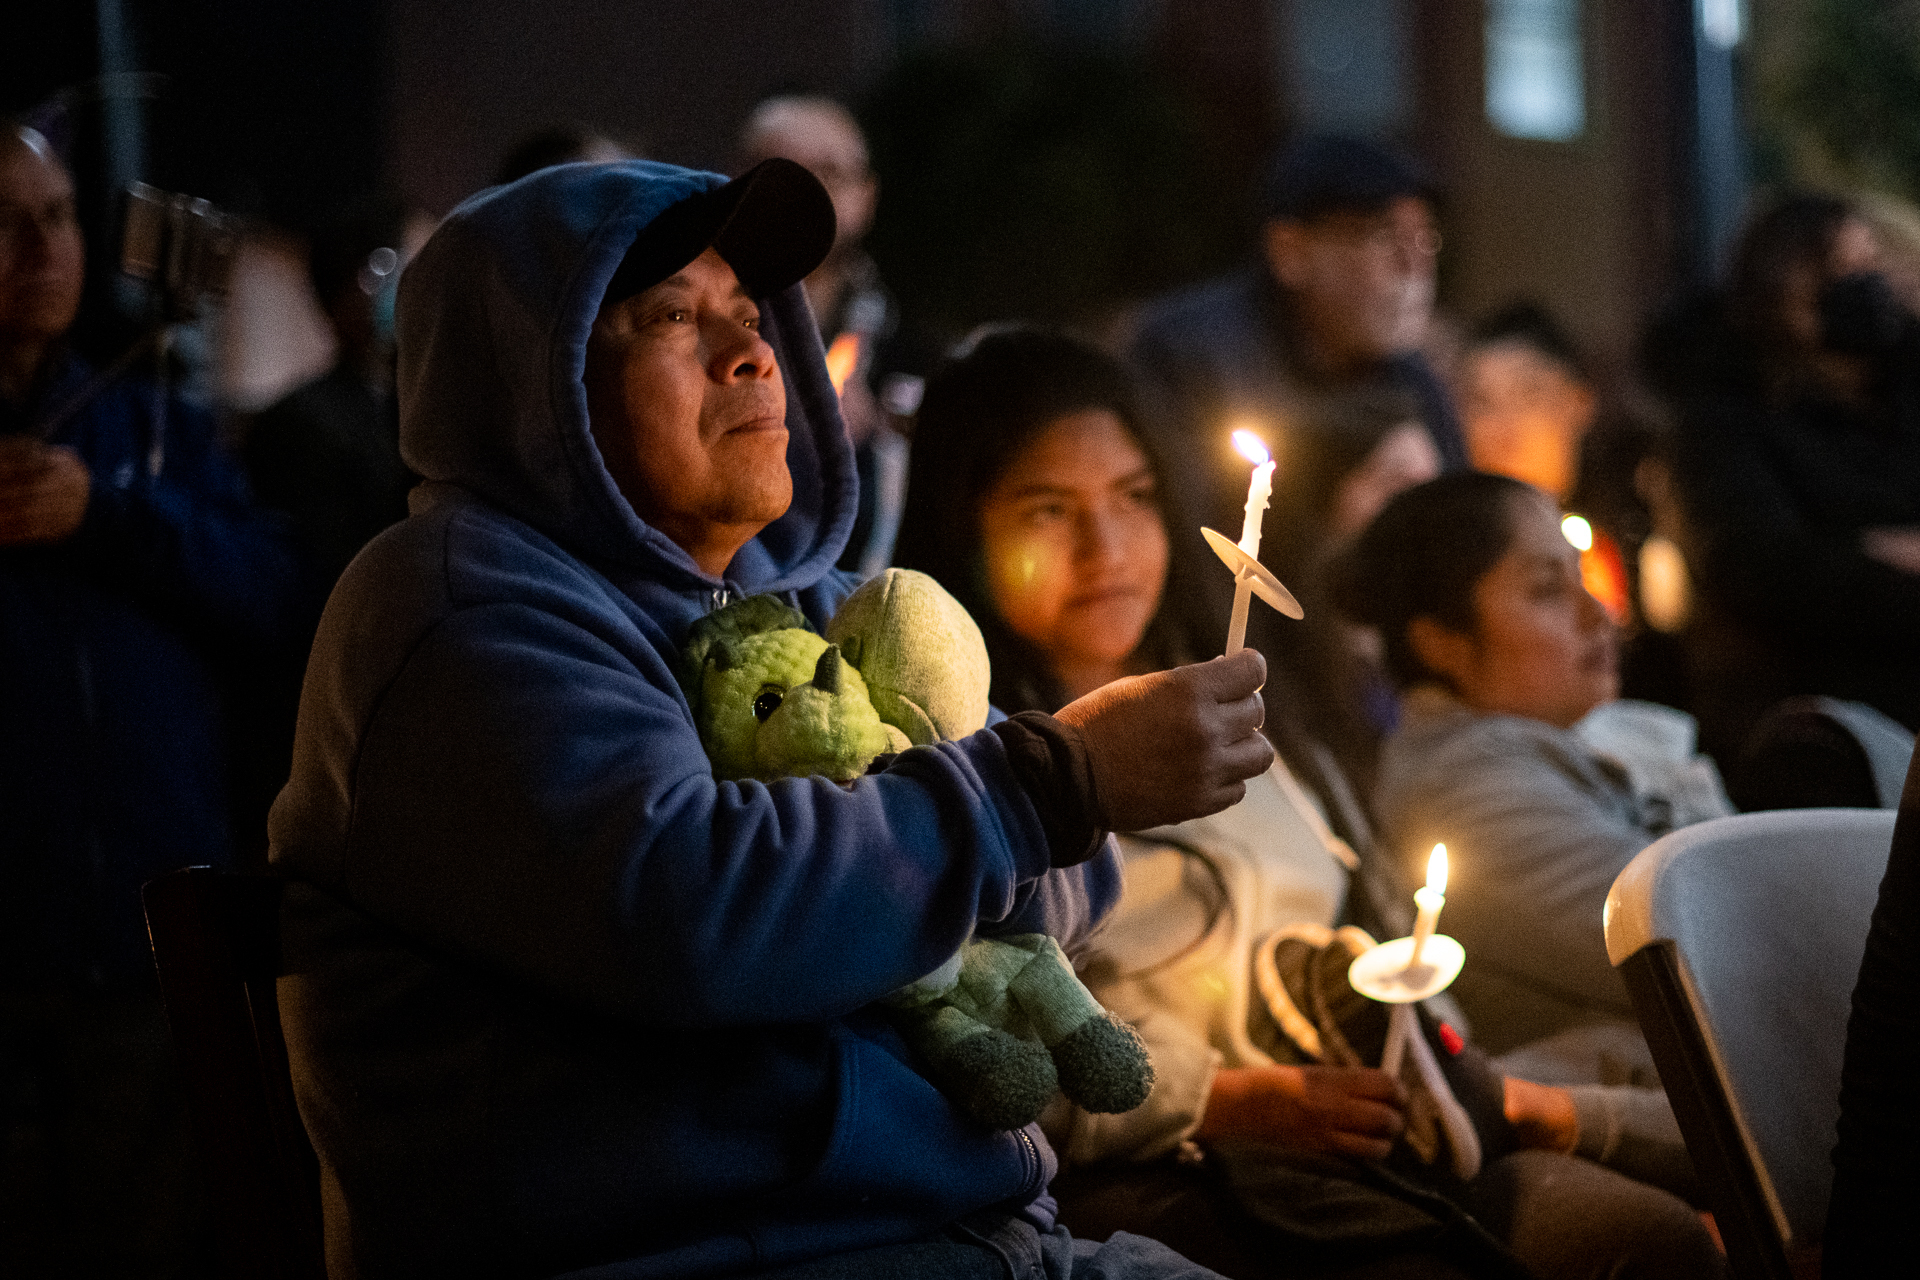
[[1176, 744]]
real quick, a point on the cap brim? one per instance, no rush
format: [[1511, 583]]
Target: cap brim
[[773, 224]]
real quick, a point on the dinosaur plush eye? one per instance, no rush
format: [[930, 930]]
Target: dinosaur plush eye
[[767, 703]]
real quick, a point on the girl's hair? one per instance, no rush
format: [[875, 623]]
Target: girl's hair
[[1796, 231], [1421, 557], [986, 403]]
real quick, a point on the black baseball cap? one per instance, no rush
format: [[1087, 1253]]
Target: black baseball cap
[[1328, 173], [773, 224]]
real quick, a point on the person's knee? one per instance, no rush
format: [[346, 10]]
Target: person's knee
[[1565, 1216]]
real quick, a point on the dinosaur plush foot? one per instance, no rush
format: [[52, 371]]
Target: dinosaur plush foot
[[1000, 1080], [1103, 1065]]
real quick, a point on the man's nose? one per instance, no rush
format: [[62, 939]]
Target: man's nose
[[741, 354]]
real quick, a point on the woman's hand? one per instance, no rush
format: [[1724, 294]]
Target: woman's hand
[[1542, 1116], [1349, 1111]]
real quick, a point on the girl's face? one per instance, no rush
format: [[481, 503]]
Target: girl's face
[[1542, 647], [1076, 553]]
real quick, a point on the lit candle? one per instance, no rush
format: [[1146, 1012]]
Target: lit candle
[[1259, 490], [1429, 900]]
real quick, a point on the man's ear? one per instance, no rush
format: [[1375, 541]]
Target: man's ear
[[1447, 653], [1283, 242]]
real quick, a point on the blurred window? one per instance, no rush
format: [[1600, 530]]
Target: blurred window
[[1721, 21], [1535, 85]]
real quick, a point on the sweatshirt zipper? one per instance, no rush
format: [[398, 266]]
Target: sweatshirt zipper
[[1031, 1155]]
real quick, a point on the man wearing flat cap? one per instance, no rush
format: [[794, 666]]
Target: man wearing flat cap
[[1314, 345], [559, 1001], [1338, 301]]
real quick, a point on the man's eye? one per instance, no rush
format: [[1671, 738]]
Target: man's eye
[[767, 703]]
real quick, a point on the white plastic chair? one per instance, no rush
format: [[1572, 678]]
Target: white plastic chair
[[1739, 941]]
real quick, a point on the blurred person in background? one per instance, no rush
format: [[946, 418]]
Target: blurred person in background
[[1797, 474], [132, 569], [1339, 299], [1527, 401], [1337, 303], [326, 455], [1036, 500], [1534, 410], [1367, 447], [859, 322]]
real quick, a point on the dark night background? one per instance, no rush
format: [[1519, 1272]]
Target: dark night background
[[1057, 158]]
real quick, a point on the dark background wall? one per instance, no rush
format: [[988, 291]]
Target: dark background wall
[[1129, 131], [470, 76]]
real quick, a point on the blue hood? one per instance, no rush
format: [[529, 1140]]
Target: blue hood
[[494, 315]]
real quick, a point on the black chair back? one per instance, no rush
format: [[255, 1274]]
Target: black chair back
[[216, 942]]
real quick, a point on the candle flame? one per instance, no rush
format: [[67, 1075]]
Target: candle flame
[[1577, 531], [843, 357], [1437, 870], [1251, 447]]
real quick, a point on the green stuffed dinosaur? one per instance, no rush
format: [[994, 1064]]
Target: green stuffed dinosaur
[[1004, 1022]]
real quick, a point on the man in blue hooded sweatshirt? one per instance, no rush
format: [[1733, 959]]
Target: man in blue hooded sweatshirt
[[558, 1001]]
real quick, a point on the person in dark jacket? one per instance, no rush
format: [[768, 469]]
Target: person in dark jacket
[[328, 452], [1870, 1225], [1797, 469], [1333, 309], [131, 568], [560, 1001], [327, 456], [1339, 300]]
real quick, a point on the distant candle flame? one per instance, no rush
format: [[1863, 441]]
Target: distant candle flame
[[843, 357], [1576, 530], [1251, 447], [1437, 870]]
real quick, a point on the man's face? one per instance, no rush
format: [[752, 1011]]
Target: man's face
[[689, 410], [1363, 282], [42, 257]]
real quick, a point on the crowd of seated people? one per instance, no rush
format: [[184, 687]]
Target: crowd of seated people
[[1037, 442], [561, 1002]]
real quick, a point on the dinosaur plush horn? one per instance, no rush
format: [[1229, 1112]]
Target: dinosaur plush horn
[[826, 672]]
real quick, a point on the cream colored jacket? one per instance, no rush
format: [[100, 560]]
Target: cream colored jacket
[[1175, 958]]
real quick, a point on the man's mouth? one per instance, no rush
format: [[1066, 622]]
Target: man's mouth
[[763, 422]]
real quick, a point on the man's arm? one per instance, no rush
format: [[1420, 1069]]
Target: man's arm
[[187, 543], [525, 794], [523, 799]]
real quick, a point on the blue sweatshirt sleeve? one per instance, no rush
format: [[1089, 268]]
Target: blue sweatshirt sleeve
[[534, 797], [189, 541]]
